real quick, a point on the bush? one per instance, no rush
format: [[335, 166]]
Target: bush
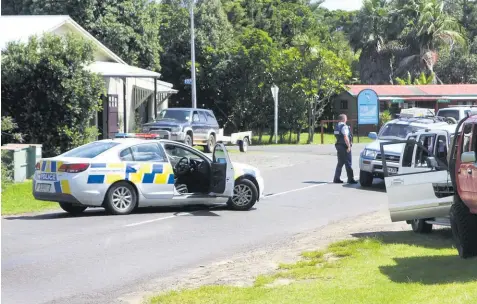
[[49, 93]]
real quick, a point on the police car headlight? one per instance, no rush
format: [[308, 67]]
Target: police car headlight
[[176, 129], [369, 153]]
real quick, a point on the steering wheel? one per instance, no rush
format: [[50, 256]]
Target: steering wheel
[[183, 166]]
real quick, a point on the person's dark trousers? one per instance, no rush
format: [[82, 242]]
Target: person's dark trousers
[[344, 158]]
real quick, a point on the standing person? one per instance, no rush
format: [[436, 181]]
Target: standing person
[[343, 149]]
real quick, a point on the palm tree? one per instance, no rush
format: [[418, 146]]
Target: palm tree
[[431, 29]]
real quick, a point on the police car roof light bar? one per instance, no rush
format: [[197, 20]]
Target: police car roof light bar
[[137, 135]]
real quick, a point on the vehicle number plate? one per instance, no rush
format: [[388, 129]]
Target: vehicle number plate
[[392, 170], [43, 187]]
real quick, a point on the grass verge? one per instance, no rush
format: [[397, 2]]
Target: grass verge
[[395, 267], [327, 139], [18, 198]]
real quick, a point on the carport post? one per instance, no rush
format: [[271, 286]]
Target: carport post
[[155, 98], [124, 106]]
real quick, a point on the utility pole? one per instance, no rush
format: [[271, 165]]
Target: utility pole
[[192, 54]]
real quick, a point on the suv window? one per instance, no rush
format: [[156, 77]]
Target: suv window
[[90, 150], [441, 149], [397, 130], [195, 117], [449, 113], [408, 151], [211, 117], [202, 117], [143, 152]]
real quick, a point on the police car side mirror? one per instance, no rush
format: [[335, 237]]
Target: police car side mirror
[[373, 135]]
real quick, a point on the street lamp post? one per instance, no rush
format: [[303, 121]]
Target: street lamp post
[[192, 54], [275, 98]]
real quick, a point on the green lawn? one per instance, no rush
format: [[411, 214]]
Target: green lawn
[[327, 139], [18, 198], [397, 267]]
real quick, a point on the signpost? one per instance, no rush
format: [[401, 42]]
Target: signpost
[[368, 108], [275, 98]]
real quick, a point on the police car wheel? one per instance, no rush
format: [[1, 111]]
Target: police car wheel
[[72, 209], [245, 195], [121, 199]]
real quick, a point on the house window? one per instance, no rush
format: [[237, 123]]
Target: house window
[[344, 105], [469, 103]]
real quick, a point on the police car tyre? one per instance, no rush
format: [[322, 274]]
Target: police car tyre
[[188, 140], [70, 208], [210, 144], [121, 199], [365, 178], [464, 229], [245, 195], [243, 146], [420, 226]]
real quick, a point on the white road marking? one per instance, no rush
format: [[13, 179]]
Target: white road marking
[[189, 213], [159, 219]]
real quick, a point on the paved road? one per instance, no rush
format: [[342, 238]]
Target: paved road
[[54, 258]]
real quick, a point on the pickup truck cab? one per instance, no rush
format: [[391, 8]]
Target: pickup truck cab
[[422, 193], [370, 162], [456, 113], [463, 172]]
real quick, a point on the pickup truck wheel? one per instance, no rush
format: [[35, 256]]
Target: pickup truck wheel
[[243, 146], [72, 209], [245, 195], [420, 226], [209, 148], [365, 178], [464, 229]]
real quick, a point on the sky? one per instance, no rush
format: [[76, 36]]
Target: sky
[[347, 5]]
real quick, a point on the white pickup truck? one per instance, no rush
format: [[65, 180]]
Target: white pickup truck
[[242, 139], [422, 193]]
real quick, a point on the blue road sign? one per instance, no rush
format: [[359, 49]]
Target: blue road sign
[[188, 81], [368, 107]]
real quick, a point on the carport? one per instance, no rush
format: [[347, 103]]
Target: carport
[[140, 93]]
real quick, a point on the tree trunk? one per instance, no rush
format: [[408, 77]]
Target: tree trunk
[[290, 137], [260, 134], [270, 140], [310, 123], [298, 135]]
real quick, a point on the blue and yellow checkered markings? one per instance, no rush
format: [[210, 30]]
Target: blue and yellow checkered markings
[[62, 186], [50, 166], [147, 173]]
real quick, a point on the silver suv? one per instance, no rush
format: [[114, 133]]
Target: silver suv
[[370, 164], [197, 127]]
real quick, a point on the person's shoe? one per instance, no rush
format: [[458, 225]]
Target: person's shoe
[[337, 181], [352, 182]]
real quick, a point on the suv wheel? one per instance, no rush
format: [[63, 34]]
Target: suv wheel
[[244, 145], [420, 226], [188, 140], [464, 229], [210, 144], [365, 178]]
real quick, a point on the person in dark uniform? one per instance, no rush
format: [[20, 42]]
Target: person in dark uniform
[[343, 148]]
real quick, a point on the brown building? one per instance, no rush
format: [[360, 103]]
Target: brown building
[[396, 97]]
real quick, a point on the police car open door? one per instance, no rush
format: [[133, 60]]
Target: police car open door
[[222, 173], [423, 188]]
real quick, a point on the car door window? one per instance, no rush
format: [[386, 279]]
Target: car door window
[[175, 153], [126, 155], [441, 148], [408, 152], [149, 152], [195, 117], [424, 151], [202, 117], [211, 117]]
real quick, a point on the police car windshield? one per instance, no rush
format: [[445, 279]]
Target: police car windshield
[[397, 131], [179, 115], [90, 150]]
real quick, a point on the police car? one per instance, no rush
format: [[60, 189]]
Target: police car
[[410, 120], [140, 170]]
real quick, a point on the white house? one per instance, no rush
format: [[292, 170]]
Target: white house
[[130, 90]]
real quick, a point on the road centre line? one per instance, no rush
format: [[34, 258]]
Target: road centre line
[[188, 213]]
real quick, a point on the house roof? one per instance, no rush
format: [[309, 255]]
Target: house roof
[[419, 92], [114, 69], [22, 27]]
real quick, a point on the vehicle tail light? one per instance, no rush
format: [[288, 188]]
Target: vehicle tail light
[[73, 168], [37, 166]]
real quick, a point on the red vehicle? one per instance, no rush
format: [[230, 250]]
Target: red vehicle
[[463, 172]]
